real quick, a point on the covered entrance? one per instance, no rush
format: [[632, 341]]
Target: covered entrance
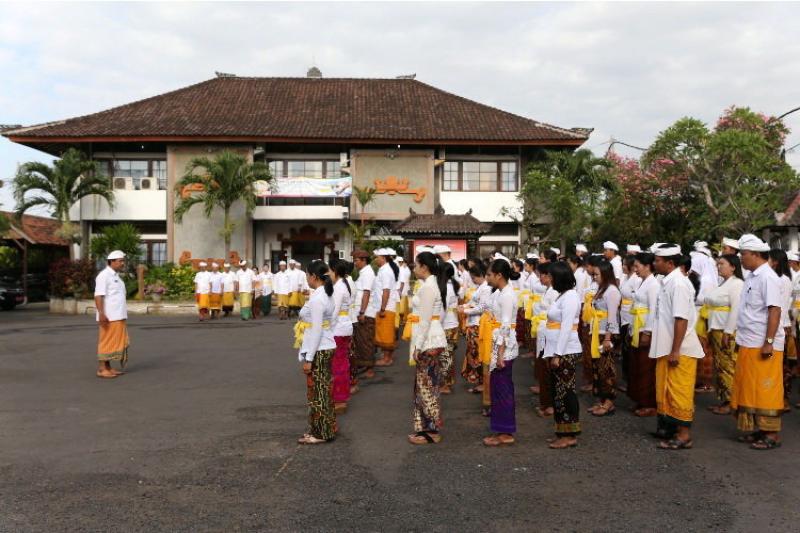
[[460, 232], [308, 244]]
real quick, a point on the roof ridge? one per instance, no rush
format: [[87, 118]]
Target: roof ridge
[[536, 122]]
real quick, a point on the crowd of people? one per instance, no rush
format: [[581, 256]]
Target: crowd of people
[[658, 324]]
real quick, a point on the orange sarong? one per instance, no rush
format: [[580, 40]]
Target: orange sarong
[[675, 389], [215, 302], [113, 342], [757, 394], [385, 332]]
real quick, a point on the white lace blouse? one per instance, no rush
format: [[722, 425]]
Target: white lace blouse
[[427, 334]]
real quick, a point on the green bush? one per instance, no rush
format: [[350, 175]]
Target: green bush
[[72, 278], [179, 280]]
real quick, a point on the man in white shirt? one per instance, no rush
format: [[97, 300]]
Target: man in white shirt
[[385, 298], [298, 280], [364, 328], [611, 252], [215, 301], [758, 380], [244, 287], [112, 316], [202, 290], [675, 345], [445, 254], [228, 290], [267, 280], [282, 288], [403, 280]]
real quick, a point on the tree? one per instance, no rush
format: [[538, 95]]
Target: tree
[[222, 181], [364, 196], [566, 190], [694, 182], [123, 237], [59, 187], [5, 225]]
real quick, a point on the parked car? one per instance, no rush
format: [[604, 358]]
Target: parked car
[[11, 294]]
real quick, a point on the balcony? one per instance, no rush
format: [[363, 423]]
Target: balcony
[[129, 204], [301, 198]]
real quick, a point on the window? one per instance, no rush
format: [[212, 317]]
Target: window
[[136, 169], [154, 252], [133, 168], [485, 249], [487, 176], [305, 169], [160, 173], [450, 182]]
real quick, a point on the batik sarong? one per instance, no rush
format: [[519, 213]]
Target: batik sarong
[[675, 391], [566, 409], [321, 418], [757, 395], [626, 352], [502, 418], [256, 305], [724, 362], [363, 344], [471, 368], [585, 336], [642, 382], [113, 342], [341, 370], [447, 364], [542, 373], [604, 376], [427, 414]]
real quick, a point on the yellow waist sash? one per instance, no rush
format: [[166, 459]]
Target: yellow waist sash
[[469, 293], [639, 315], [412, 319], [535, 321], [796, 304], [701, 327], [486, 328], [522, 298], [557, 325], [627, 301], [300, 330], [344, 313], [597, 315], [532, 300], [586, 314]]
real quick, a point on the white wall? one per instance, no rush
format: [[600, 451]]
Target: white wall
[[485, 205], [308, 213], [128, 205]]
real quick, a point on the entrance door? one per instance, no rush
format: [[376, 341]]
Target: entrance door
[[307, 251]]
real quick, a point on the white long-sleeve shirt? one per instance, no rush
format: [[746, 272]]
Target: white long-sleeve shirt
[[427, 334], [504, 310], [480, 302], [317, 310], [726, 295], [645, 296], [786, 299], [450, 315], [609, 301], [342, 325], [566, 310], [582, 282], [626, 289]]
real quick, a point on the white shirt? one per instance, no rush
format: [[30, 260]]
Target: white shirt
[[385, 280], [582, 282], [227, 281], [609, 301], [645, 296], [404, 278], [504, 309], [342, 302], [266, 283], [245, 278], [726, 295], [626, 289], [566, 310], [318, 309], [616, 264], [217, 280], [109, 285], [450, 317], [786, 299], [427, 334], [282, 282], [296, 279], [479, 303], [762, 289], [202, 282], [675, 300], [365, 281]]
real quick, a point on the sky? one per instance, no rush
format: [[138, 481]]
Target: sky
[[629, 70]]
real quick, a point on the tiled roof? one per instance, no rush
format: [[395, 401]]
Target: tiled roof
[[371, 110], [35, 230], [440, 223], [790, 217]]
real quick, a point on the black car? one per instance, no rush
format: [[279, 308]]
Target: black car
[[11, 294]]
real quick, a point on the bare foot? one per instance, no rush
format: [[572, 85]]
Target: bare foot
[[563, 443]]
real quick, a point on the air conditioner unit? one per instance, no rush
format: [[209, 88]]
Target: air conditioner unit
[[148, 184], [123, 183]]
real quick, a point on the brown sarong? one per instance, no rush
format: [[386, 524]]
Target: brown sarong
[[113, 342], [364, 343], [642, 381]]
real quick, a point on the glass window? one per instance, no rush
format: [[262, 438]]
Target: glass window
[[160, 173], [333, 169], [137, 169], [305, 169], [508, 171], [276, 169], [488, 176], [450, 182], [158, 253], [471, 176], [102, 167]]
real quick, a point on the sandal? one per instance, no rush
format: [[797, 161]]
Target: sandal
[[497, 440], [750, 438], [592, 408], [604, 411], [563, 446], [106, 376], [424, 437], [543, 413], [721, 409], [675, 444], [767, 443], [645, 412], [311, 440]]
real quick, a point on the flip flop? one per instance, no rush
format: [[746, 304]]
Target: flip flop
[[105, 376], [553, 445], [766, 443], [675, 444]]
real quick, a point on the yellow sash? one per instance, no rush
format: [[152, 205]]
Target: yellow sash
[[344, 313], [535, 321], [557, 325], [796, 304], [469, 293], [522, 298], [533, 299], [586, 314], [627, 301], [412, 319], [639, 315], [701, 327], [597, 315], [300, 330], [486, 328]]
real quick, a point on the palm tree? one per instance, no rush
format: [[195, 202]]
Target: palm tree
[[364, 196], [225, 179], [61, 186]]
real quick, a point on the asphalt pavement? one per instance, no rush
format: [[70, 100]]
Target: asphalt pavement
[[200, 435]]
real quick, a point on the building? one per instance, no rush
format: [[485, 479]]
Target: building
[[418, 146]]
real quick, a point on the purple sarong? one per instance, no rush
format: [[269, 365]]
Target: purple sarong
[[503, 419]]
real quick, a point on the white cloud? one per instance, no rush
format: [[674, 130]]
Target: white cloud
[[627, 69]]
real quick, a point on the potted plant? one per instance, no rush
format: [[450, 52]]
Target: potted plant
[[155, 290]]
